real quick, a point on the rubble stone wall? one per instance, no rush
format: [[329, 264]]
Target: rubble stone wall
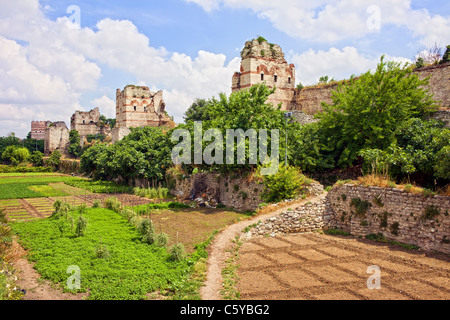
[[396, 214], [400, 216], [310, 217], [233, 192]]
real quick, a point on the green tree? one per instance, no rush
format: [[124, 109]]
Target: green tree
[[15, 155], [420, 148], [198, 111], [54, 160], [245, 109], [74, 148], [37, 158], [365, 112]]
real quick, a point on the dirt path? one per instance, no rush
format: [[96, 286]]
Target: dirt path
[[218, 250]]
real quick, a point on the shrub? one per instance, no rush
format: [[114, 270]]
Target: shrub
[[113, 204], [361, 206], [377, 200], [177, 252], [96, 204], [128, 214], [430, 212], [161, 239], [3, 218], [285, 184], [336, 232], [102, 251], [147, 231], [383, 219], [81, 226]]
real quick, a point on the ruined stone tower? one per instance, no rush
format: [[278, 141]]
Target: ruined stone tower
[[38, 130], [139, 107], [264, 62]]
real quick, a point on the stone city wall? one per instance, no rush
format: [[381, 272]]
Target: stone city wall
[[396, 214], [234, 192]]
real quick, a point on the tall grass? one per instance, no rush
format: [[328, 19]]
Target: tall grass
[[152, 193]]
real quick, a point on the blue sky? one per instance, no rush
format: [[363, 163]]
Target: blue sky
[[52, 64]]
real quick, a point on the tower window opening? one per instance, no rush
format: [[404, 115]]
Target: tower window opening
[[262, 76], [275, 78], [289, 80], [134, 108]]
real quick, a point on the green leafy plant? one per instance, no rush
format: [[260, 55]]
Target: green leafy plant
[[394, 228], [287, 183], [161, 239], [361, 206], [177, 252], [430, 213], [81, 225]]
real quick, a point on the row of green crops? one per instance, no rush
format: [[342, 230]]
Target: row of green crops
[[32, 186], [132, 269], [28, 190], [99, 186]]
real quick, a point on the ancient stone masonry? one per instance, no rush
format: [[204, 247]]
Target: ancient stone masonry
[[265, 62], [56, 137], [361, 211], [439, 81], [88, 123], [312, 216], [233, 192], [398, 215], [139, 107], [38, 130]]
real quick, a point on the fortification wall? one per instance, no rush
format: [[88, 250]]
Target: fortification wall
[[234, 192], [309, 99], [56, 138], [439, 81], [396, 214], [263, 62]]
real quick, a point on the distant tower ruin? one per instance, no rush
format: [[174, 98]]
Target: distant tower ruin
[[38, 130], [137, 106], [264, 62]]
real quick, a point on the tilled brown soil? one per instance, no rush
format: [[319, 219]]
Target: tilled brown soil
[[314, 266]]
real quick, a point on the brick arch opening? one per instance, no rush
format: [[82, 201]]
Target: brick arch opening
[[262, 69]]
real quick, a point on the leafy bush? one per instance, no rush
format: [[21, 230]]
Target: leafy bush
[[430, 212], [113, 204], [161, 239], [177, 252], [393, 93], [54, 160], [81, 226], [285, 184]]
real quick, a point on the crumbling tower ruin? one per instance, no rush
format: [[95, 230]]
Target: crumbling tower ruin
[[265, 62], [38, 130], [137, 106]]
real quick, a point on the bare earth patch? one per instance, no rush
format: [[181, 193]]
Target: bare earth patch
[[315, 266]]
